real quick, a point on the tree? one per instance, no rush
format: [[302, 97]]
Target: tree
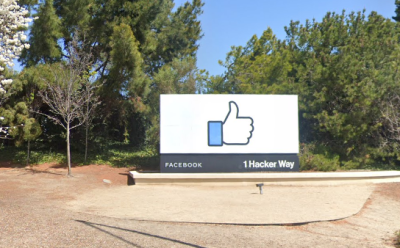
[[346, 69], [343, 68], [22, 127], [13, 21], [26, 86], [17, 115], [6, 88], [178, 77], [69, 93], [397, 11], [130, 42], [43, 37], [91, 104], [391, 115]]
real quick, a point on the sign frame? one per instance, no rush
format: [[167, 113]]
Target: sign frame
[[194, 139]]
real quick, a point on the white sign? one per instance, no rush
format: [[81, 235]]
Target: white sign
[[223, 124]]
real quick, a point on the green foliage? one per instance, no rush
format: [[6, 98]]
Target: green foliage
[[18, 156], [6, 73], [344, 70], [397, 11], [126, 73], [130, 43], [178, 77], [317, 158], [22, 128], [43, 37], [117, 155], [25, 101]]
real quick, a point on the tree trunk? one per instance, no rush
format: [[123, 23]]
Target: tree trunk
[[27, 157], [68, 152], [86, 142]]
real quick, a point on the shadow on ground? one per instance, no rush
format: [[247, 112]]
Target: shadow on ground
[[101, 228]]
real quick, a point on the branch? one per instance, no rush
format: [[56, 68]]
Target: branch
[[54, 119]]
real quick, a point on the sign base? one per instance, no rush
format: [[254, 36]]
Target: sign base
[[206, 163]]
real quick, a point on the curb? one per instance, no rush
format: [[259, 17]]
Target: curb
[[292, 178]]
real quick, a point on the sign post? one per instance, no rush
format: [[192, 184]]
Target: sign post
[[228, 133]]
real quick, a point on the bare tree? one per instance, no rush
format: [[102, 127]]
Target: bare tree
[[69, 94], [391, 116]]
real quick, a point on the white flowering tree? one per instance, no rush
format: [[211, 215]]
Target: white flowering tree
[[14, 20]]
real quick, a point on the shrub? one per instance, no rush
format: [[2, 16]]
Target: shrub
[[310, 159]]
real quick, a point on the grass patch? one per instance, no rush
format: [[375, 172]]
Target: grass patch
[[117, 155]]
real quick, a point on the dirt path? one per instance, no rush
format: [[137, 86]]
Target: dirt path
[[33, 213]]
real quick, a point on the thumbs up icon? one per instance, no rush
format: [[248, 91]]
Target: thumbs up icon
[[234, 130]]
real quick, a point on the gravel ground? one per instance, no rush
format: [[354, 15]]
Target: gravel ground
[[234, 204], [33, 213]]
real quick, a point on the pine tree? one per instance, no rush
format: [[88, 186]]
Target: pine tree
[[44, 35], [344, 69], [397, 11]]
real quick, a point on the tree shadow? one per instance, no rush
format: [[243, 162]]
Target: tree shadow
[[63, 166], [33, 171], [98, 226], [29, 168]]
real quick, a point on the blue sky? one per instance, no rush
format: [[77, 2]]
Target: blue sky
[[232, 22]]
